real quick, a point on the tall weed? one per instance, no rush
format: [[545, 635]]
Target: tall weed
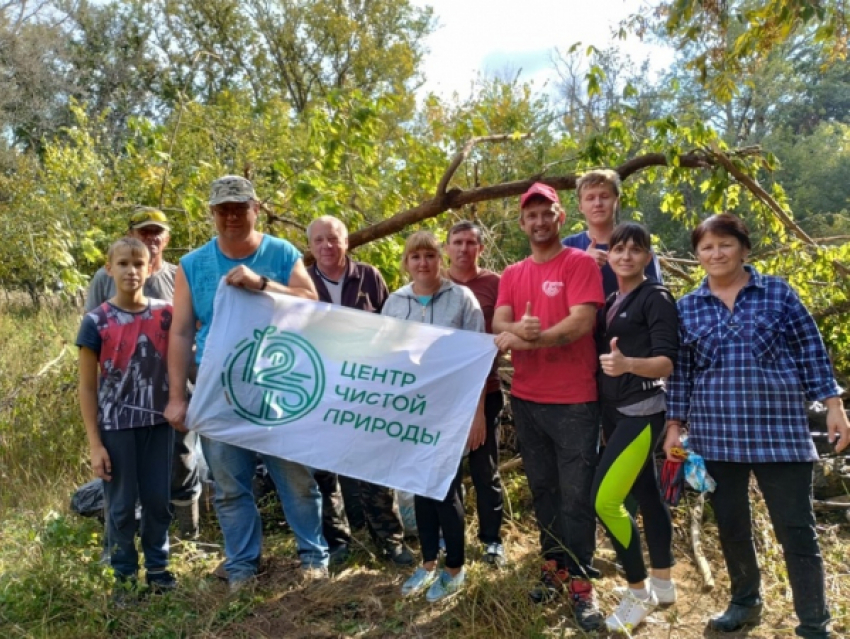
[[42, 438]]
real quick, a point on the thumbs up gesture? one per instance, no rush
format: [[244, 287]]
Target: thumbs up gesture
[[614, 363], [528, 327], [599, 255]]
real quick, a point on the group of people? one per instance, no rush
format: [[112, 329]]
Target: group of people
[[607, 366]]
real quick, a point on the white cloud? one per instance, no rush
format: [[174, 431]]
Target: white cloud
[[496, 36]]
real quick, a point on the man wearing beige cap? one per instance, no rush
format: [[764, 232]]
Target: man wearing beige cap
[[151, 227], [252, 260]]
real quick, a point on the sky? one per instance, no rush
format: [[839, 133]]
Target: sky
[[490, 37]]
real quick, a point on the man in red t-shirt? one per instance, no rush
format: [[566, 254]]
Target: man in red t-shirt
[[545, 314], [464, 247]]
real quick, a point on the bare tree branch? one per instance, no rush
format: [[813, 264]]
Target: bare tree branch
[[835, 309], [461, 155], [668, 265]]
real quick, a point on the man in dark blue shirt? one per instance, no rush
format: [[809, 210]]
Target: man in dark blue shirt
[[598, 195]]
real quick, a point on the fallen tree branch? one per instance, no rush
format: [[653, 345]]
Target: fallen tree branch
[[832, 504], [48, 365], [818, 242], [668, 265], [456, 198], [681, 260], [703, 566], [835, 309], [512, 464]]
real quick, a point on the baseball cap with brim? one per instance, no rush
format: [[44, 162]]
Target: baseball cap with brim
[[538, 188], [148, 217], [231, 188]]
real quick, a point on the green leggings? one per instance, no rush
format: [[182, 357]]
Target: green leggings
[[627, 466]]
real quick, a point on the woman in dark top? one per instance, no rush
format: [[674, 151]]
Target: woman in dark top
[[638, 341]]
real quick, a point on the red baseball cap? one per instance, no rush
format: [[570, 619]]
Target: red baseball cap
[[538, 188]]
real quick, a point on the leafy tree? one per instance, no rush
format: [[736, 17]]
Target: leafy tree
[[723, 39], [299, 50], [34, 85]]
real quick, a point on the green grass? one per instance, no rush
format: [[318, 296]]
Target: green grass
[[53, 586]]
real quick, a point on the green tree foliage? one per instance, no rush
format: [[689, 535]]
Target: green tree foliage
[[347, 159], [297, 50], [497, 106], [723, 39]]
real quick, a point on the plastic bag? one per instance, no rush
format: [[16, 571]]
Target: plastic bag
[[88, 500], [695, 473], [407, 511]]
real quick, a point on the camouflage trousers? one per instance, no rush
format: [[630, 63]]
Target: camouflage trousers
[[348, 503]]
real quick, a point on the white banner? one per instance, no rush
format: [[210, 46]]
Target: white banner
[[371, 397]]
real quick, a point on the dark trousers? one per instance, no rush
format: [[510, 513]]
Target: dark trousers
[[141, 470], [787, 490], [447, 515], [185, 475], [373, 504], [484, 470], [627, 467], [559, 447], [335, 526], [352, 503]]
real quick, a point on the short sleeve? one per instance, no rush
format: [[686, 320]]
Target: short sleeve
[[88, 335], [585, 283]]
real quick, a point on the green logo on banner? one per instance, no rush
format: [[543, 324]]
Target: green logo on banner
[[273, 379]]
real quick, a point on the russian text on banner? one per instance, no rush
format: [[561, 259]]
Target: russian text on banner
[[372, 397]]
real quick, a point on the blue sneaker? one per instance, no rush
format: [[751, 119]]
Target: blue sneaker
[[418, 581], [445, 586]]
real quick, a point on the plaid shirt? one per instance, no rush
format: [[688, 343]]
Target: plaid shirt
[[743, 377]]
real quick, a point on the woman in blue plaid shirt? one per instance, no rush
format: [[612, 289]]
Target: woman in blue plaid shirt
[[750, 357]]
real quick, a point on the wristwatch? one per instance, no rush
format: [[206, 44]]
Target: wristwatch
[[265, 282]]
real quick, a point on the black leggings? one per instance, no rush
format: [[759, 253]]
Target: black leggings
[[627, 465], [448, 515]]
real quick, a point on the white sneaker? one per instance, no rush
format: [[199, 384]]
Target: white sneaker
[[631, 612], [666, 596]]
